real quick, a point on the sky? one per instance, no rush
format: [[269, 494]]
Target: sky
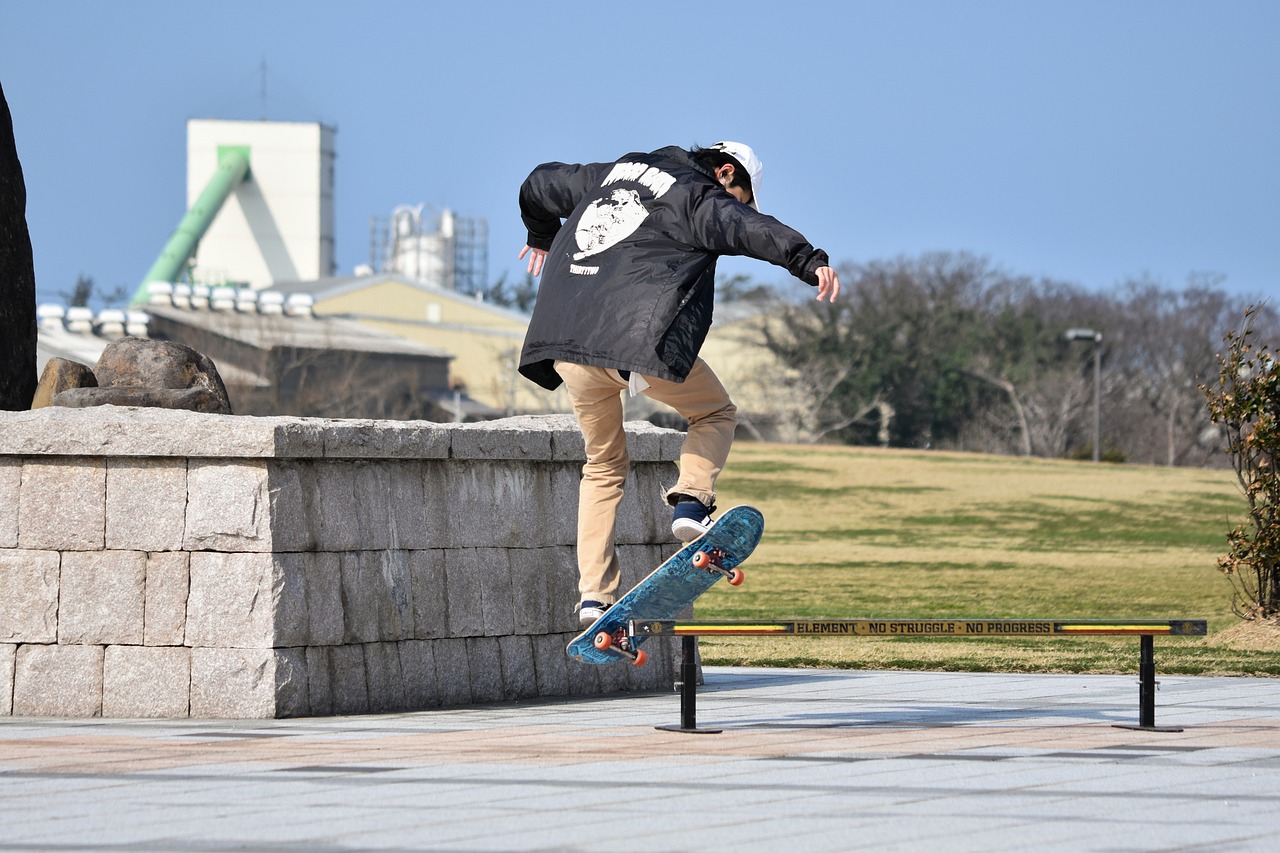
[[1088, 142]]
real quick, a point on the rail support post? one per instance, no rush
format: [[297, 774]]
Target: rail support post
[[689, 690], [1147, 689]]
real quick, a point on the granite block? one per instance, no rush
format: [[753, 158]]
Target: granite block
[[321, 575], [499, 505], [245, 601], [8, 653], [519, 670], [371, 484], [567, 444], [151, 432], [141, 681], [484, 660], [562, 588], [319, 684], [437, 503], [168, 580], [407, 515], [57, 681], [29, 596], [612, 678], [430, 594], [292, 689], [418, 668], [551, 664], [384, 677], [494, 566], [348, 683], [248, 683], [146, 504], [386, 439], [583, 678], [330, 509], [530, 592], [561, 515], [244, 506], [453, 671], [631, 525], [464, 593], [377, 596], [102, 597], [62, 504], [10, 488], [655, 479], [506, 438]]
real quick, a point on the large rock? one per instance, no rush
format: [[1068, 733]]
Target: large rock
[[17, 277], [153, 374], [60, 375]]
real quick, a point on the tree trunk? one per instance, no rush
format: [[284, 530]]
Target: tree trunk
[[17, 277]]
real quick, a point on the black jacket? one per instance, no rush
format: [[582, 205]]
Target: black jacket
[[629, 278]]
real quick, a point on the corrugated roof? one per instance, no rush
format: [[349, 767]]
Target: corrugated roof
[[268, 330], [327, 288]]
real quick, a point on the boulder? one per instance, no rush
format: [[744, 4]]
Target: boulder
[[158, 374], [60, 375]]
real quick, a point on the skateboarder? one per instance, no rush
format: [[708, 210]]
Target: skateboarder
[[627, 253]]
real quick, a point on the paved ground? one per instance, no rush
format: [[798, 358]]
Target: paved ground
[[808, 760]]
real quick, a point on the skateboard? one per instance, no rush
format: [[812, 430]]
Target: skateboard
[[672, 587]]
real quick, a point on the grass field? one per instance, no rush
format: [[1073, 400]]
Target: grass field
[[856, 533]]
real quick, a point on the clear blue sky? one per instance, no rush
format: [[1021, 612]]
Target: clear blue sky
[[1086, 141]]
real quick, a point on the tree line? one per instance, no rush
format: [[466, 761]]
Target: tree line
[[947, 351]]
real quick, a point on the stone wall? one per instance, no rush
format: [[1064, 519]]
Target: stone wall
[[171, 564]]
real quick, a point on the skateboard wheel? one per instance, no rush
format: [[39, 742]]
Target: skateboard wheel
[[641, 658], [701, 560], [603, 640], [736, 577]]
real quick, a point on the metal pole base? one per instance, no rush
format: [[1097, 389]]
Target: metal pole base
[[689, 691], [1137, 728], [693, 731], [1146, 691]]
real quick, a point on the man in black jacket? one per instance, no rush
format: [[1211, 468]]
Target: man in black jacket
[[627, 253]]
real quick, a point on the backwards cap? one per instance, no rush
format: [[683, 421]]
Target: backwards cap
[[744, 155]]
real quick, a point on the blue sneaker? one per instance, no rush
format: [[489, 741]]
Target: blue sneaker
[[690, 519], [589, 612]]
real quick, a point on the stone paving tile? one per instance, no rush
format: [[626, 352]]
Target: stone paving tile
[[807, 760]]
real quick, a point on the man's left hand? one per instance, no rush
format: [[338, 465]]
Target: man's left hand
[[828, 284]]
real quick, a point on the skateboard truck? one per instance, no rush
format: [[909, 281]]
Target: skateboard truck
[[621, 641], [713, 561]]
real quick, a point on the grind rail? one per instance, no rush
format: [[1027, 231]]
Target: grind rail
[[1145, 630]]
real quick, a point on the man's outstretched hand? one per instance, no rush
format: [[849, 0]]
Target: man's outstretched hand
[[828, 283]]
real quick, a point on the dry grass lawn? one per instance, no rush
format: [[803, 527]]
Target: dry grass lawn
[[868, 533]]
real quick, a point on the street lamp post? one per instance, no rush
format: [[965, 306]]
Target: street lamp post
[[1096, 337]]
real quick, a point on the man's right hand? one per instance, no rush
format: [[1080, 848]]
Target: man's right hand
[[537, 257]]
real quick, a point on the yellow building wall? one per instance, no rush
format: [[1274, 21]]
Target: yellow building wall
[[484, 340], [405, 302], [485, 362], [485, 343]]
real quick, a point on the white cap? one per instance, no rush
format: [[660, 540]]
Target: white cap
[[744, 155]]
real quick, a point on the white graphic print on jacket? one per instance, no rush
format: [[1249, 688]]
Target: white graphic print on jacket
[[608, 221]]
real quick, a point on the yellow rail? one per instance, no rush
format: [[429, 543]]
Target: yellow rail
[[923, 628]]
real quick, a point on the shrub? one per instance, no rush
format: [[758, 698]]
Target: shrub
[[1245, 404]]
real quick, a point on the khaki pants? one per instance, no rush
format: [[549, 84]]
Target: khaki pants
[[597, 404]]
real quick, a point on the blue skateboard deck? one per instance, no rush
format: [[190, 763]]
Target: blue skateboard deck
[[672, 587]]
